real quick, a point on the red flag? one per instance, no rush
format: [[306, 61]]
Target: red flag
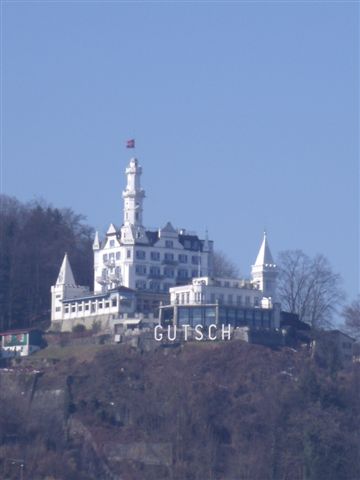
[[130, 143]]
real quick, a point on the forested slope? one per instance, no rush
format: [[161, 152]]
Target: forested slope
[[203, 411]]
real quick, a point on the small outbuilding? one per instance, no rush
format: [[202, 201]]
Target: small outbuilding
[[20, 343]]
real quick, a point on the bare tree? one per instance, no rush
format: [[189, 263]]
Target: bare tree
[[351, 315], [309, 287], [223, 266]]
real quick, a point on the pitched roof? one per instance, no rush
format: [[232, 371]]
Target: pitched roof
[[65, 276], [264, 256]]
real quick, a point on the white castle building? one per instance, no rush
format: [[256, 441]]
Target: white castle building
[[134, 267], [137, 269]]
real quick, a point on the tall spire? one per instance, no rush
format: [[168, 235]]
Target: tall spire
[[133, 195], [65, 276], [264, 256], [96, 244], [264, 271]]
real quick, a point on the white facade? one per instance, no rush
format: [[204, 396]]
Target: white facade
[[226, 291], [73, 304], [147, 260], [260, 291]]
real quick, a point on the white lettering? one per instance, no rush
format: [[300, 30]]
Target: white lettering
[[198, 333], [172, 338], [158, 336], [211, 337], [224, 332], [186, 330]]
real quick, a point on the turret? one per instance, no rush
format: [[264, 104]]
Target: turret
[[65, 287], [264, 271], [133, 230], [133, 195]]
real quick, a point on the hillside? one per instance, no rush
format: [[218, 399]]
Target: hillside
[[228, 411]]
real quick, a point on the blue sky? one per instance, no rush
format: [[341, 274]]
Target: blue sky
[[245, 115]]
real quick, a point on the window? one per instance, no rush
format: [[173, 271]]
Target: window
[[141, 284], [195, 260], [230, 299], [169, 272], [128, 253], [169, 256], [117, 255], [155, 286], [112, 243], [111, 256], [155, 271], [140, 254], [105, 257], [194, 273], [187, 297], [212, 298], [66, 309], [137, 215], [183, 258], [140, 269], [114, 302], [256, 301], [58, 296], [239, 300], [247, 301], [182, 273], [58, 309], [107, 304], [80, 308], [73, 308], [227, 284], [155, 256], [169, 244], [86, 306], [100, 305], [167, 286]]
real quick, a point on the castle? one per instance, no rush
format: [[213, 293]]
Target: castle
[[136, 270]]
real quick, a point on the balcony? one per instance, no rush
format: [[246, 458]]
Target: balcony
[[167, 261], [155, 275]]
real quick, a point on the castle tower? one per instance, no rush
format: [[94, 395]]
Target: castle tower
[[65, 287], [65, 282], [264, 271], [133, 195]]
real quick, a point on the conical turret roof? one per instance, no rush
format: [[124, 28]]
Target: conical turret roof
[[264, 256], [65, 276], [96, 244]]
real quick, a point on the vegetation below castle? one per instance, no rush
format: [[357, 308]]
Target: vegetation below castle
[[203, 411]]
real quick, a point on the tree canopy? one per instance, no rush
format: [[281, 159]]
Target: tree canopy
[[351, 315], [309, 287], [223, 266], [33, 240]]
